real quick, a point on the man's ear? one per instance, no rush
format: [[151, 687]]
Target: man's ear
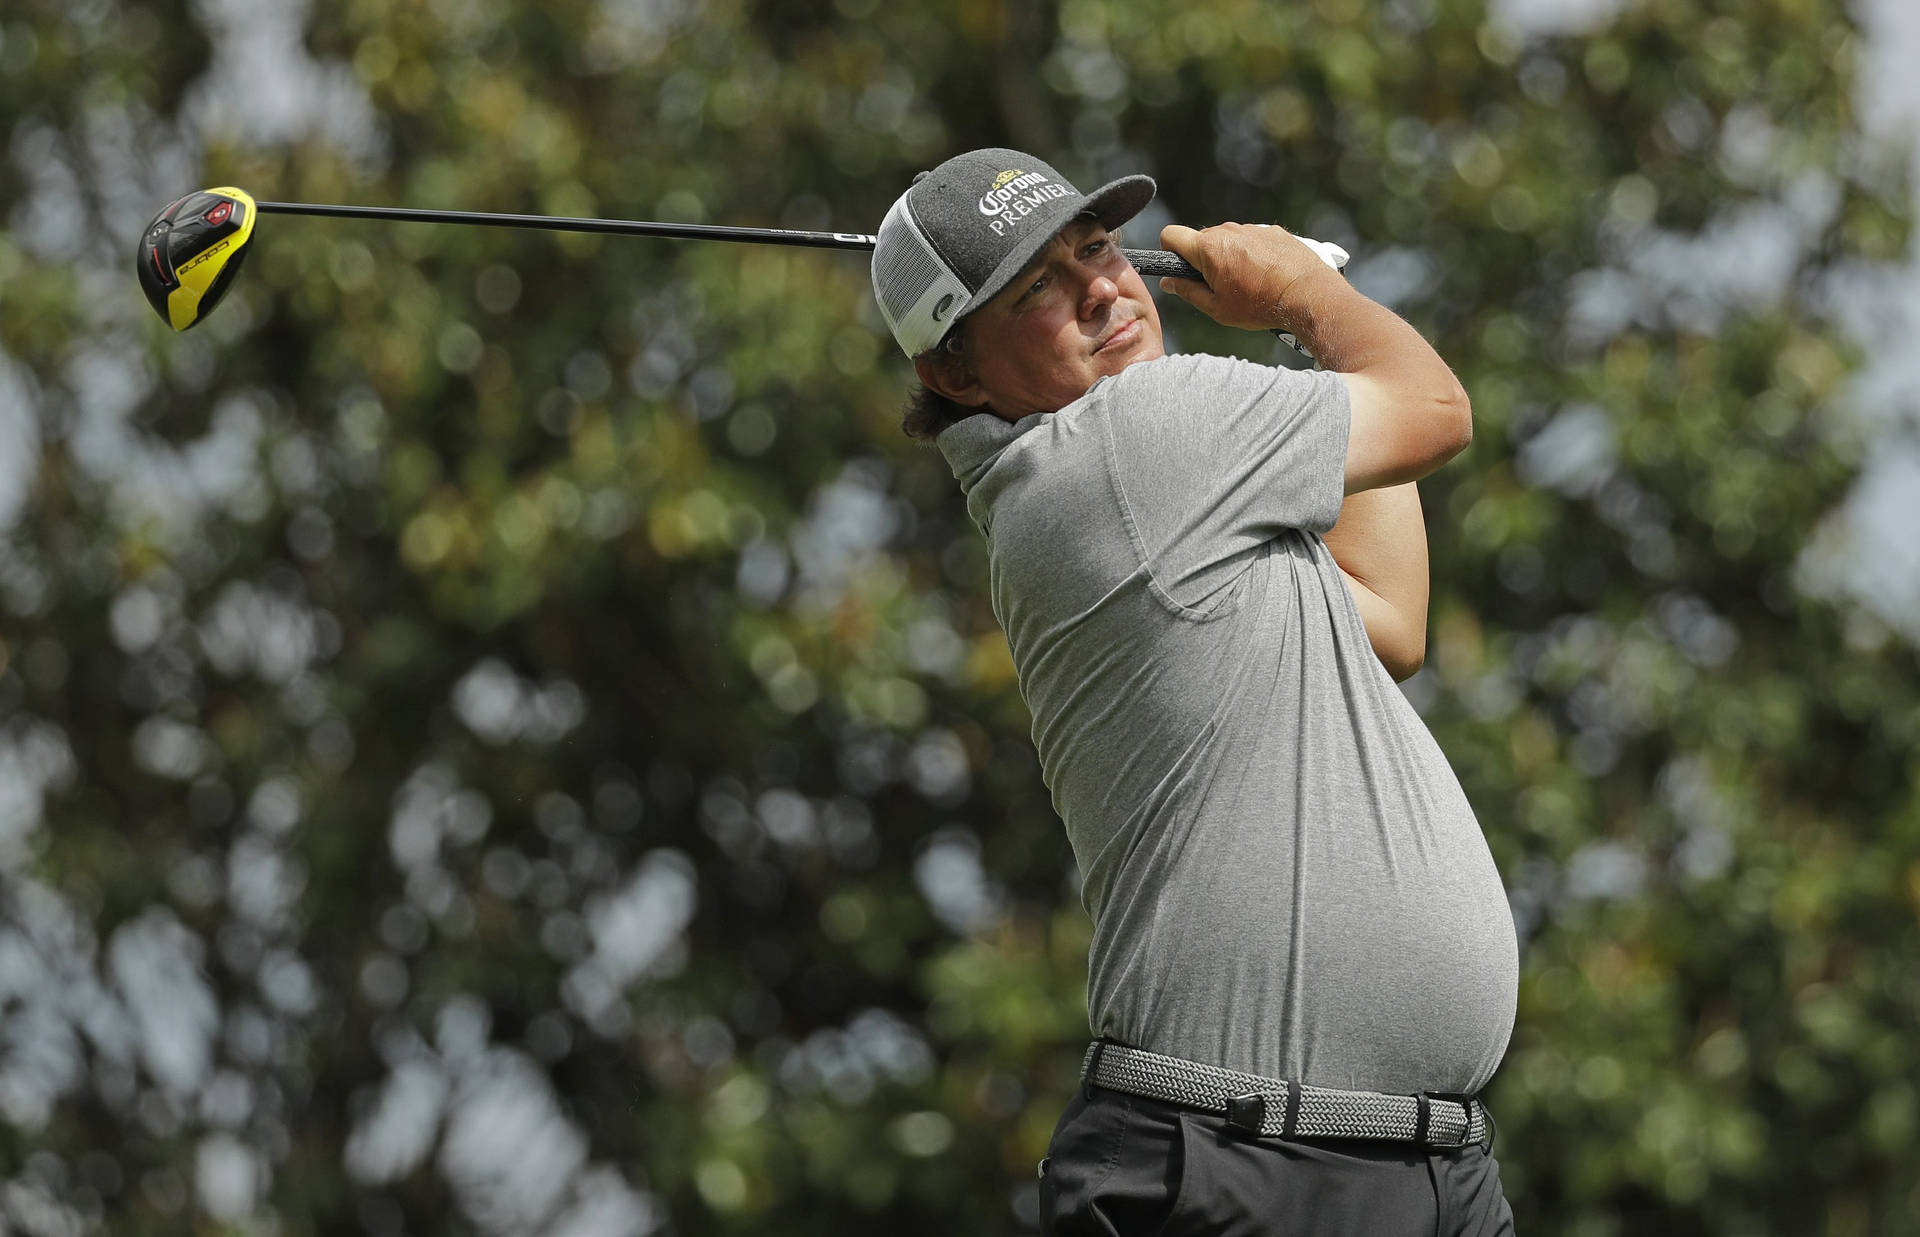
[[946, 374]]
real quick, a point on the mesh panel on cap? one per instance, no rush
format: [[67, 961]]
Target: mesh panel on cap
[[903, 266], [918, 293]]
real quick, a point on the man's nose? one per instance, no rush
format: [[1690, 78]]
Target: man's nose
[[1101, 292]]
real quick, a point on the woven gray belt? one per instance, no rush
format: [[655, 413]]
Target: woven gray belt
[[1276, 1109]]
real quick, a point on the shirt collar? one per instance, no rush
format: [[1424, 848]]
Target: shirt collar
[[972, 445]]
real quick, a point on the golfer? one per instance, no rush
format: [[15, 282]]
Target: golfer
[[1210, 573]]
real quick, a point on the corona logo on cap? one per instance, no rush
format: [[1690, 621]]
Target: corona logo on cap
[[1015, 194]]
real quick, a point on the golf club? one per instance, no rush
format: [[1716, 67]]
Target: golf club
[[191, 251]]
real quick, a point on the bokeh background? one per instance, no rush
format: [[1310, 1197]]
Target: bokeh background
[[500, 733]]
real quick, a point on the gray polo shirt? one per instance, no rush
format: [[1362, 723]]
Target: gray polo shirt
[[1283, 872]]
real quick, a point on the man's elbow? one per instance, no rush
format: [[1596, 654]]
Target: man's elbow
[[1441, 426], [1405, 429], [1453, 419], [1400, 642], [1405, 658]]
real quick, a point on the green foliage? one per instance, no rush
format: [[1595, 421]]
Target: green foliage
[[526, 686]]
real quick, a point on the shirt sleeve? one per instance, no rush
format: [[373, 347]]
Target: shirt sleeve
[[1214, 456]]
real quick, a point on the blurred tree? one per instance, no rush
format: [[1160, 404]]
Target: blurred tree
[[498, 732]]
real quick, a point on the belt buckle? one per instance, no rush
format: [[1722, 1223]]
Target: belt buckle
[[1247, 1111], [1423, 1130]]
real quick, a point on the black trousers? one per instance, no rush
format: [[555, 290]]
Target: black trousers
[[1122, 1166]]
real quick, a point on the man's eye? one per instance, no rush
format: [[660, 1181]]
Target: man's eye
[[1094, 247], [1038, 285]]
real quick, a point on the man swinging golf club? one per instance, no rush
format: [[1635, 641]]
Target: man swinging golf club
[[1210, 572]]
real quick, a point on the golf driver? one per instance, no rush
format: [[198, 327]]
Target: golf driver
[[191, 251]]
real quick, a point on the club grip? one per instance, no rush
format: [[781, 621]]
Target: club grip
[[1160, 262]]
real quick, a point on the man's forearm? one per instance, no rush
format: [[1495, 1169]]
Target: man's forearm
[[1380, 543], [1349, 333]]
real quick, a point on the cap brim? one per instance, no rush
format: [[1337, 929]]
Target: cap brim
[[1112, 204]]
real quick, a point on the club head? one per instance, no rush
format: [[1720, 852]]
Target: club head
[[191, 251]]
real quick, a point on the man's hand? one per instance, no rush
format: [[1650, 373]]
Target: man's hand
[[1250, 271]]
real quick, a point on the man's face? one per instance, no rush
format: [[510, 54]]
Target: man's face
[[1078, 313]]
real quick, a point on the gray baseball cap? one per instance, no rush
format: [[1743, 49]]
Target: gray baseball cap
[[964, 230]]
